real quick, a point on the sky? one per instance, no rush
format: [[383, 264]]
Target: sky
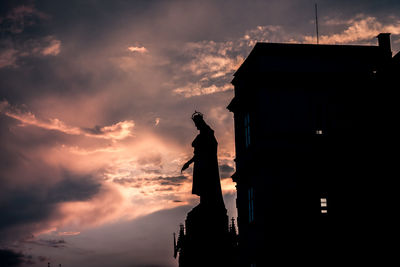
[[96, 100]]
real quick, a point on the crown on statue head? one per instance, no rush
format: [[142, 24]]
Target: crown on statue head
[[197, 115]]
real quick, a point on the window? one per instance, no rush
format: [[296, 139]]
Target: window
[[318, 132], [247, 129], [324, 205], [251, 204]]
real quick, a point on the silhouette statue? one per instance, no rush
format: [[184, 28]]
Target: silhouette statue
[[206, 181], [205, 240]]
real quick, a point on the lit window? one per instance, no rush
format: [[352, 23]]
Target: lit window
[[319, 132], [251, 204], [247, 129], [324, 205]]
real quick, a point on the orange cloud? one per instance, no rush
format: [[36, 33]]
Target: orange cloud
[[360, 29], [104, 207], [117, 131], [196, 89], [138, 49], [68, 233], [53, 48]]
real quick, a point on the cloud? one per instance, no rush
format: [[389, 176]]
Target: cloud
[[8, 57], [73, 189], [41, 193], [211, 64], [53, 243], [83, 85], [12, 52], [68, 233], [172, 180], [10, 258], [127, 181], [117, 131], [53, 48], [267, 33], [197, 89], [20, 17], [147, 181], [138, 49], [15, 45], [27, 209], [226, 171], [360, 29]]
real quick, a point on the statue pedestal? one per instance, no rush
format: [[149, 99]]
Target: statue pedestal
[[207, 240]]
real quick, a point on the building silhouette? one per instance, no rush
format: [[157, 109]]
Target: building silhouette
[[314, 132]]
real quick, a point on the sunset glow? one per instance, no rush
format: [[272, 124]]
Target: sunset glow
[[96, 99]]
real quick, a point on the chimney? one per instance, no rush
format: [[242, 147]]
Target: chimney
[[384, 43]]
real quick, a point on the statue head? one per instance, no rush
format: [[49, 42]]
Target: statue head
[[198, 120]]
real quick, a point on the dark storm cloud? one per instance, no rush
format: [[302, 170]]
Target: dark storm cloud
[[19, 31], [165, 189], [151, 171], [53, 243], [160, 180], [37, 202], [23, 206], [8, 156], [16, 17], [10, 258], [73, 188], [226, 171], [24, 44], [172, 180], [128, 181], [31, 189]]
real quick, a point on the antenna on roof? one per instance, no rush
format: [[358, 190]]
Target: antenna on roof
[[316, 22]]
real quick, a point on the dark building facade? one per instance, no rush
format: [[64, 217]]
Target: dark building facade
[[314, 129]]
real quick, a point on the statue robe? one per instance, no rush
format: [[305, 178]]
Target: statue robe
[[206, 181]]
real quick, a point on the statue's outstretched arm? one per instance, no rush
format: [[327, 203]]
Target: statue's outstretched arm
[[187, 164]]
